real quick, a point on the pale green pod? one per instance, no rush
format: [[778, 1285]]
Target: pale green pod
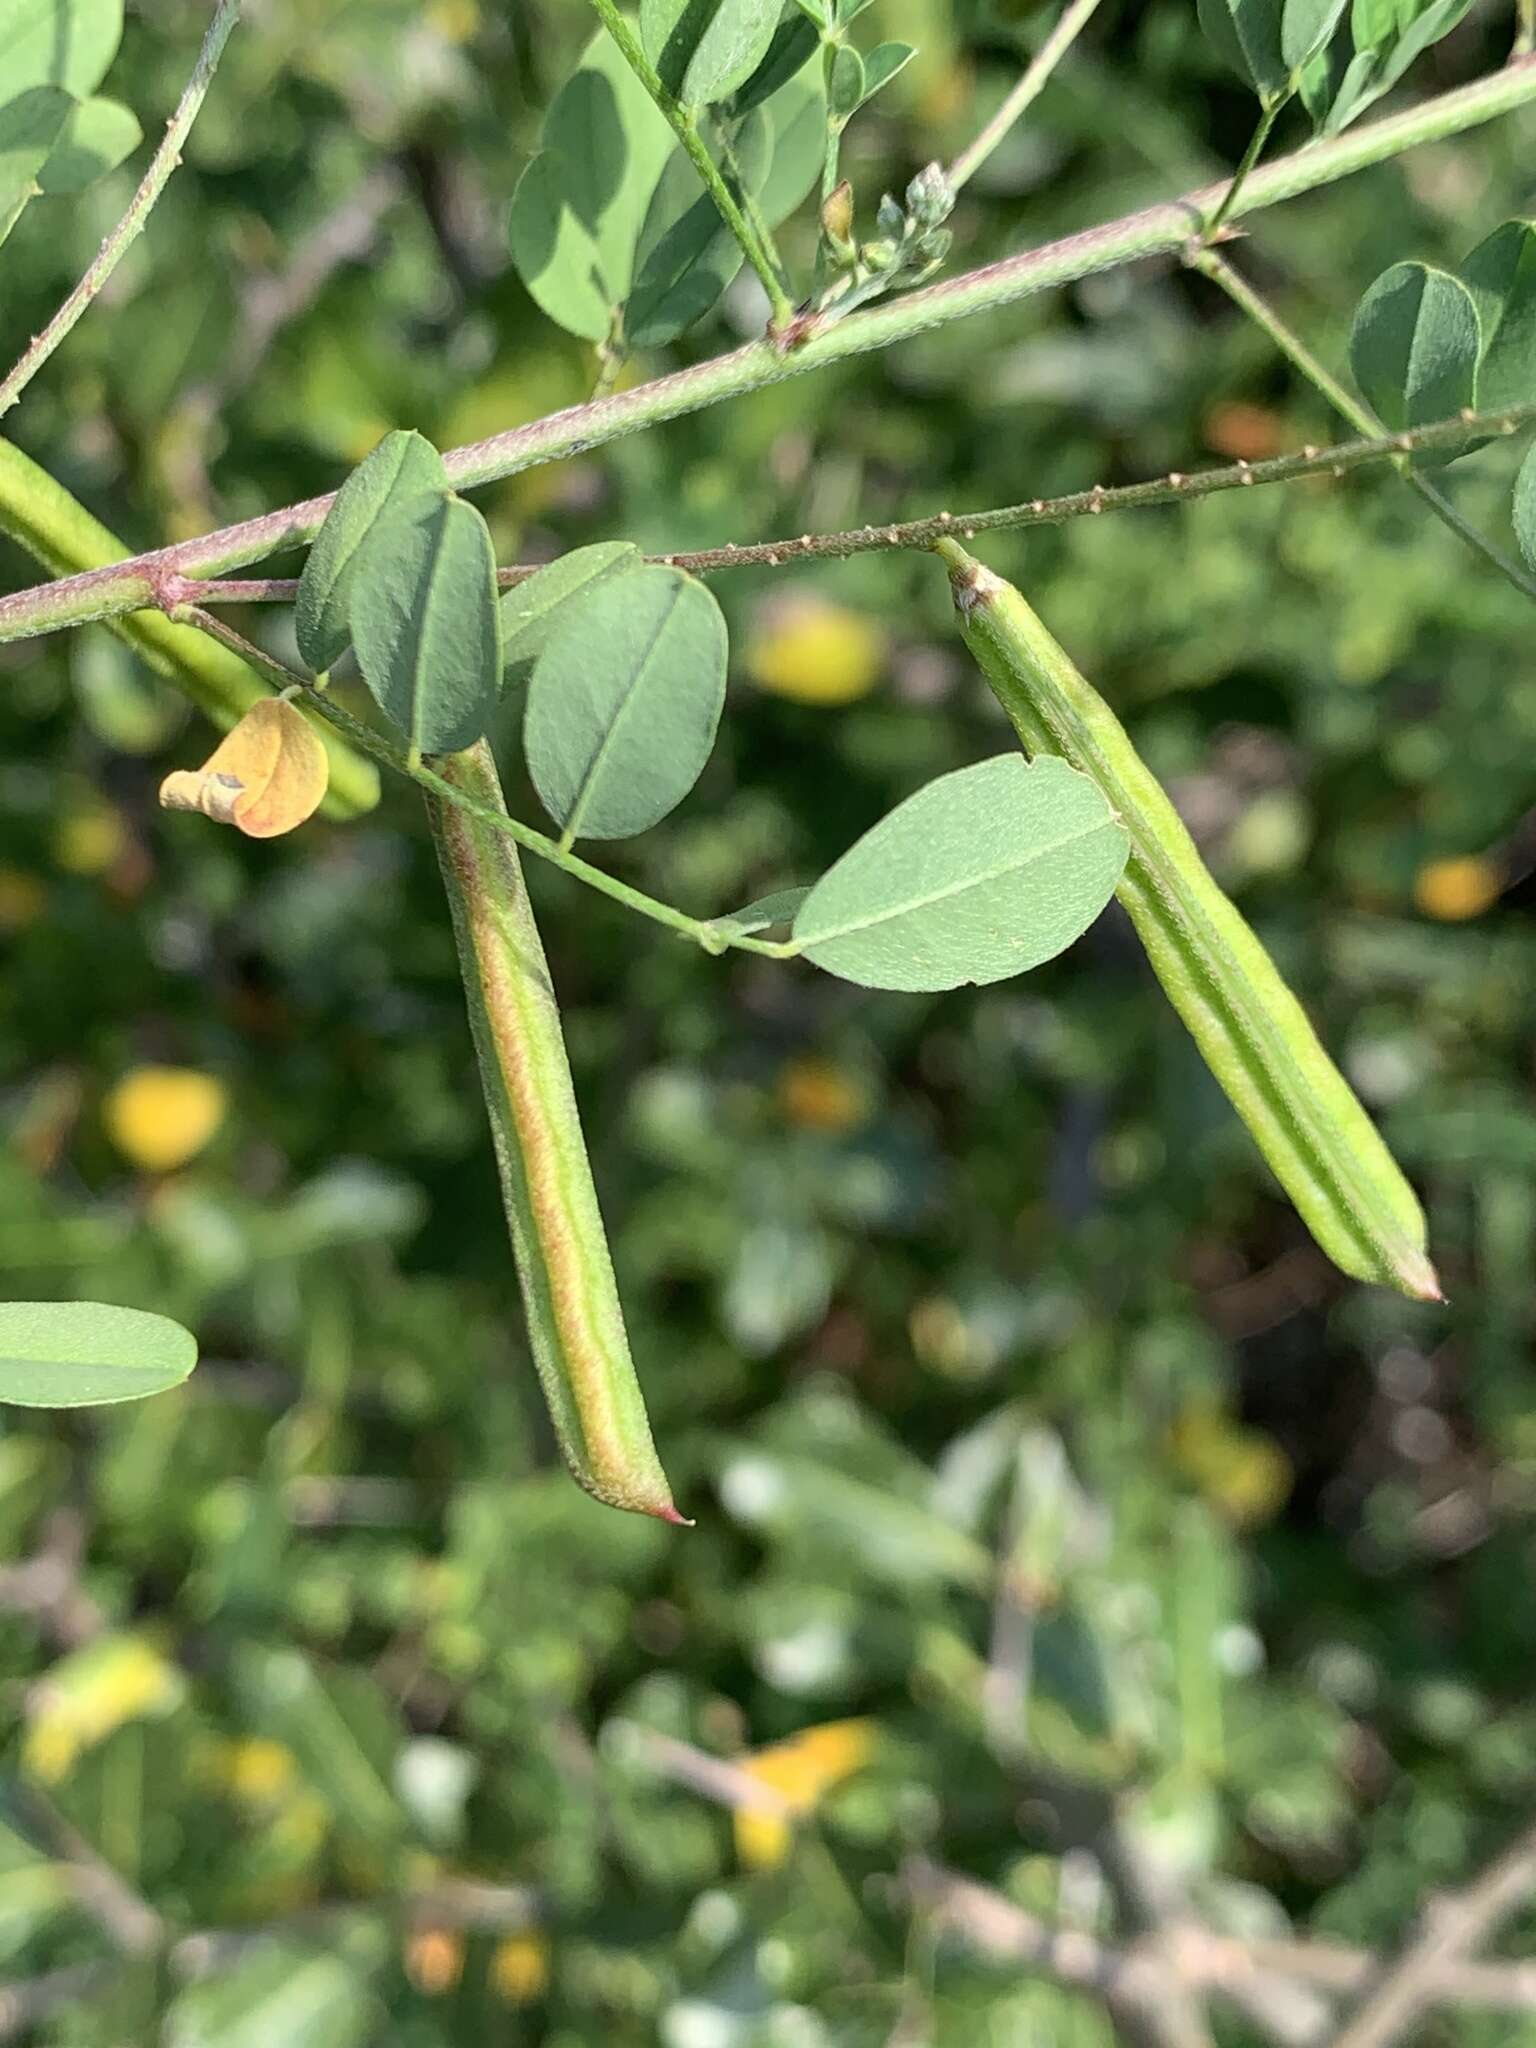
[[1254, 1035], [570, 1298]]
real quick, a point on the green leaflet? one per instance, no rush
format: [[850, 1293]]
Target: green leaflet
[[425, 624], [96, 136], [403, 475], [624, 703], [981, 874], [575, 1324], [1254, 1035], [30, 125], [80, 1354]]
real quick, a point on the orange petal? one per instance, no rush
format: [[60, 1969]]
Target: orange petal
[[265, 777]]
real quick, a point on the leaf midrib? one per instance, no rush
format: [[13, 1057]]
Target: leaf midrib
[[980, 881]]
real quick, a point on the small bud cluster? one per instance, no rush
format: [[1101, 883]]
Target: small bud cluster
[[909, 243]]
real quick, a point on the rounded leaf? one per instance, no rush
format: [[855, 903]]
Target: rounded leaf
[[530, 611], [81, 1354], [67, 43], [1500, 273], [579, 205], [624, 703], [402, 477], [30, 125], [426, 625], [96, 136], [1414, 346], [982, 874]]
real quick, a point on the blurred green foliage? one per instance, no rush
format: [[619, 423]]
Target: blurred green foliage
[[1019, 1417]]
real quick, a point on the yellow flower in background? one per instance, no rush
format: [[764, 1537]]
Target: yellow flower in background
[[820, 1096], [814, 652], [801, 1770], [160, 1117], [89, 1695], [22, 900], [90, 838], [1242, 1473], [1453, 890], [259, 1771], [520, 1968]]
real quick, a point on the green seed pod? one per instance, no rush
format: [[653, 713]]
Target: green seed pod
[[575, 1324], [1254, 1035]]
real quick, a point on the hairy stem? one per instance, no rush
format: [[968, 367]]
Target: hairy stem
[[1358, 414], [1244, 171], [684, 124], [1340, 459], [1074, 19], [131, 226], [1163, 228]]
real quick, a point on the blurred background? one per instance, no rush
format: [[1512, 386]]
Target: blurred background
[[1063, 1519]]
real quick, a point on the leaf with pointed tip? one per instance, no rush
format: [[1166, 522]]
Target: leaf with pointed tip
[[1385, 38], [531, 611], [95, 138], [882, 65], [30, 124], [704, 49], [68, 43], [624, 703], [1414, 347], [82, 1354], [686, 255], [982, 874], [426, 625], [402, 477], [761, 916], [580, 204]]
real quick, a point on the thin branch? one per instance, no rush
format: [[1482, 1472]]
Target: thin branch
[[161, 165], [1243, 173], [1452, 1928], [1161, 229], [712, 937], [1359, 415], [684, 125], [1074, 19], [1337, 460]]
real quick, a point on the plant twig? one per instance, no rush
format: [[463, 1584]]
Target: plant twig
[[1165, 228], [712, 937], [1074, 19], [128, 229], [1359, 415], [684, 125], [1451, 1928], [1337, 460], [1244, 171]]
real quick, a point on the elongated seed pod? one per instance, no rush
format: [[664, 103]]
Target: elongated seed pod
[[1255, 1037], [570, 1299]]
